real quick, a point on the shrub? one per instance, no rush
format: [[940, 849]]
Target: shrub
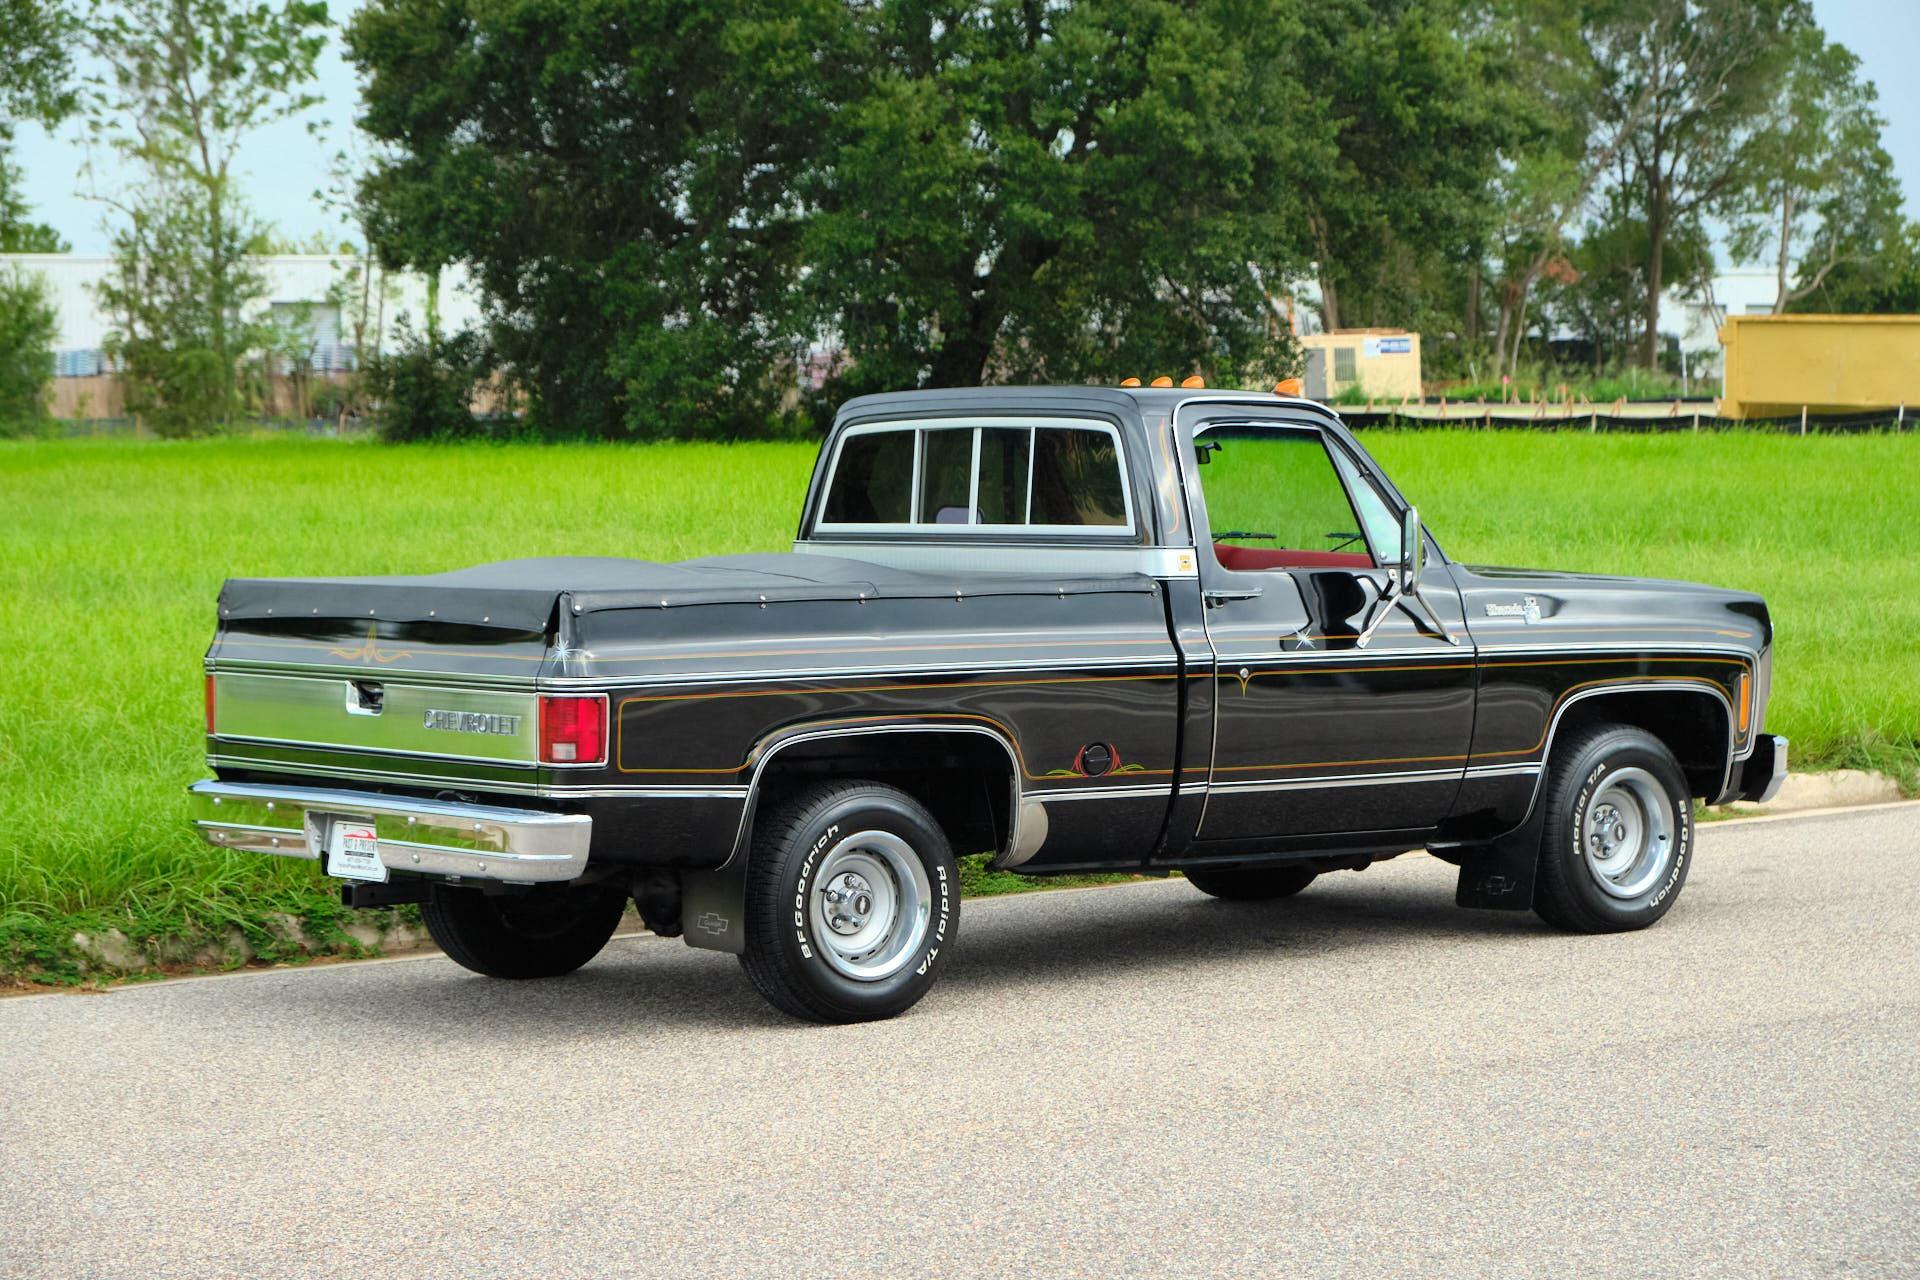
[[425, 389], [28, 324]]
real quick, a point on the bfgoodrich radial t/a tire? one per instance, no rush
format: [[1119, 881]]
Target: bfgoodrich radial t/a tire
[[541, 934], [853, 903], [1619, 832]]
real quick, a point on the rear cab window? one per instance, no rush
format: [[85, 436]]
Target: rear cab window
[[986, 476]]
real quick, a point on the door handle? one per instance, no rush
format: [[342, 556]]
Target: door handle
[[1216, 597]]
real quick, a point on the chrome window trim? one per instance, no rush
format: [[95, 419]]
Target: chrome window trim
[[1023, 533]]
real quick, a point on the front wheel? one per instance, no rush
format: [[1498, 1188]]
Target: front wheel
[[1619, 832], [853, 900], [540, 934]]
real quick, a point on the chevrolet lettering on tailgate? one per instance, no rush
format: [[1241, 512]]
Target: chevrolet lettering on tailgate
[[472, 722]]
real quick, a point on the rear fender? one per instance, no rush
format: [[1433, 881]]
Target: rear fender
[[713, 902]]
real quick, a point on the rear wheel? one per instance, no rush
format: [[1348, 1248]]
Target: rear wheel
[[1619, 832], [853, 899], [541, 934], [1252, 884]]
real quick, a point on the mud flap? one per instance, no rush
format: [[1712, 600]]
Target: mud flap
[[713, 907], [1499, 876]]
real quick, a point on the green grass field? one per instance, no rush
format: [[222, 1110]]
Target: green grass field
[[111, 554]]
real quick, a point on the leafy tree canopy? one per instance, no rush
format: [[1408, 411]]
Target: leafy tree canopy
[[36, 73], [619, 174], [667, 205]]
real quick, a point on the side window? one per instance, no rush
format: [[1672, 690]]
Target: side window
[[981, 475], [1376, 517], [1274, 501]]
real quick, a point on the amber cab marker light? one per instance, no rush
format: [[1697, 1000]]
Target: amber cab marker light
[[210, 696], [1161, 381], [1129, 382], [573, 730], [1194, 381], [1287, 387]]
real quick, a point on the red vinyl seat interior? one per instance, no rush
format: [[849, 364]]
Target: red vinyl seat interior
[[1247, 559]]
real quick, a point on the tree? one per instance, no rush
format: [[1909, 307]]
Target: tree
[[1556, 166], [1411, 103], [1688, 84], [1887, 283], [27, 329], [620, 176], [1062, 193], [36, 74], [173, 333], [186, 82], [1824, 186], [1601, 294]]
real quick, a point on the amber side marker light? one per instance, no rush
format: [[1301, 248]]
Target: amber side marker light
[[573, 729], [1287, 387], [1746, 702]]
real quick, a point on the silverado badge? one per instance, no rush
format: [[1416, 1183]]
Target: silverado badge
[[1528, 609]]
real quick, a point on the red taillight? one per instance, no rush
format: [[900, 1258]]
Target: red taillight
[[209, 704], [573, 730]]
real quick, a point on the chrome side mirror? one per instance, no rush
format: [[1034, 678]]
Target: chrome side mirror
[[1413, 552], [1403, 586]]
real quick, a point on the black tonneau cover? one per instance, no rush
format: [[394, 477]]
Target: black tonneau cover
[[521, 595]]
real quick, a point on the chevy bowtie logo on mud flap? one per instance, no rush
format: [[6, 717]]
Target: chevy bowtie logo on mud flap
[[711, 922]]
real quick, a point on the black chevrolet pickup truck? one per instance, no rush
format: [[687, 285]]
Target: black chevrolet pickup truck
[[1084, 629]]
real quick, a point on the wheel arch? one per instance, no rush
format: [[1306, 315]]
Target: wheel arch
[[922, 757], [1693, 719]]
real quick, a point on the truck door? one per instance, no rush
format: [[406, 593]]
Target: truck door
[[1337, 711]]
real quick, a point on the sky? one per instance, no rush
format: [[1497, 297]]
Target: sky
[[283, 166]]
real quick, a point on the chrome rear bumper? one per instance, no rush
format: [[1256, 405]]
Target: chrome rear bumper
[[432, 837]]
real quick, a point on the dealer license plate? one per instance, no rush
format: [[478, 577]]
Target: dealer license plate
[[353, 851]]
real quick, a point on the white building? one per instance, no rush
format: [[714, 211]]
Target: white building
[[303, 290]]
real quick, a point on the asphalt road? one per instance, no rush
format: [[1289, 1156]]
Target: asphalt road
[[1138, 1080]]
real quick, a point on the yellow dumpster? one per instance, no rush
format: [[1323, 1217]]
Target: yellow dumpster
[[1776, 366]]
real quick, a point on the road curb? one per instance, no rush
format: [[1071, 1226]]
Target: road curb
[[426, 951]]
